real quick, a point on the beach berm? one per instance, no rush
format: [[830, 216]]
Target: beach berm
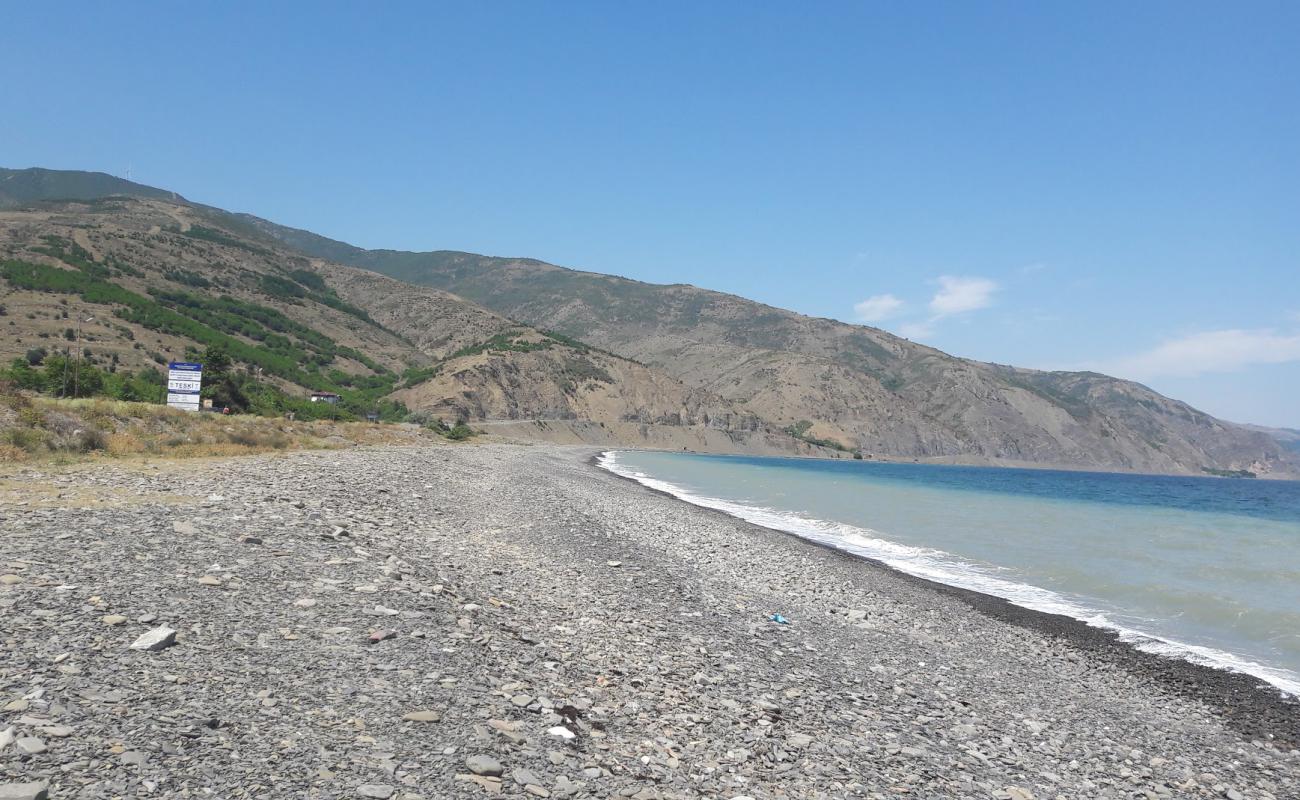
[[473, 621]]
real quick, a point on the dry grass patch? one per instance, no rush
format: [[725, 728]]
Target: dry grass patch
[[64, 431]]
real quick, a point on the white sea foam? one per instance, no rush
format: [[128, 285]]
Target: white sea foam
[[946, 568]]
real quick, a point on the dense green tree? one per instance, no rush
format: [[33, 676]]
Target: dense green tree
[[23, 376], [221, 382], [63, 376]]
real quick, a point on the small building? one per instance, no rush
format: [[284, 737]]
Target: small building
[[325, 397]]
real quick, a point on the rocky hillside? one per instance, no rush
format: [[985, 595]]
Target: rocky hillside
[[678, 352], [1289, 438], [138, 282], [853, 384]]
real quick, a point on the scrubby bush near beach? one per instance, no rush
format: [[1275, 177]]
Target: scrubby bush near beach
[[36, 428]]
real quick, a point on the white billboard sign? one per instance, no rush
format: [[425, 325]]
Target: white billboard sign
[[184, 380]]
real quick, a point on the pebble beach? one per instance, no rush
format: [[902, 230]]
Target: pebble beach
[[504, 620]]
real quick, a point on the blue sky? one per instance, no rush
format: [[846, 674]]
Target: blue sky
[[1060, 185]]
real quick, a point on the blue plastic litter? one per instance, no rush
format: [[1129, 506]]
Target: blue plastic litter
[[778, 619]]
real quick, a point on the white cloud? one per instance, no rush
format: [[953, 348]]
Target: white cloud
[[1208, 351], [957, 295], [877, 308]]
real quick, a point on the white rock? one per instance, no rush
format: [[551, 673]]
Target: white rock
[[484, 765], [156, 639], [30, 745], [38, 790], [561, 731]]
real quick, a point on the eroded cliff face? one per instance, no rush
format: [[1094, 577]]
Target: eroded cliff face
[[543, 379]]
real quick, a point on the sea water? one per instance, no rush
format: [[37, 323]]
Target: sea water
[[1206, 569]]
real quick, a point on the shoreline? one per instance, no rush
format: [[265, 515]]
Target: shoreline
[[381, 621], [677, 439], [1248, 704]]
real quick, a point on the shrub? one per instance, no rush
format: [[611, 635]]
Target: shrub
[[423, 418], [309, 279], [800, 428], [90, 439], [21, 374], [184, 276], [459, 432], [30, 440]]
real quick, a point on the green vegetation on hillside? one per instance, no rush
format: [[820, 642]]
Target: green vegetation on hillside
[[800, 429], [510, 342], [578, 371], [222, 238], [61, 375], [282, 348], [306, 285], [1228, 473], [507, 342], [154, 315], [184, 276], [417, 375]]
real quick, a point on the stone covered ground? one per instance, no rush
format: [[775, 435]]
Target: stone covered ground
[[437, 622]]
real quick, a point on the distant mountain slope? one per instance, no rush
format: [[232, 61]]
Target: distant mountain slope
[[1287, 437], [859, 387], [22, 186]]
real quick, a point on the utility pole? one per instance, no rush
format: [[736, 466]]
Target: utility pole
[[76, 366]]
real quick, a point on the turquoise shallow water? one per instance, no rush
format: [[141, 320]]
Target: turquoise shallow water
[[1199, 568]]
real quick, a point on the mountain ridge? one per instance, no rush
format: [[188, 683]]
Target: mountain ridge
[[857, 387], [152, 281], [552, 296]]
